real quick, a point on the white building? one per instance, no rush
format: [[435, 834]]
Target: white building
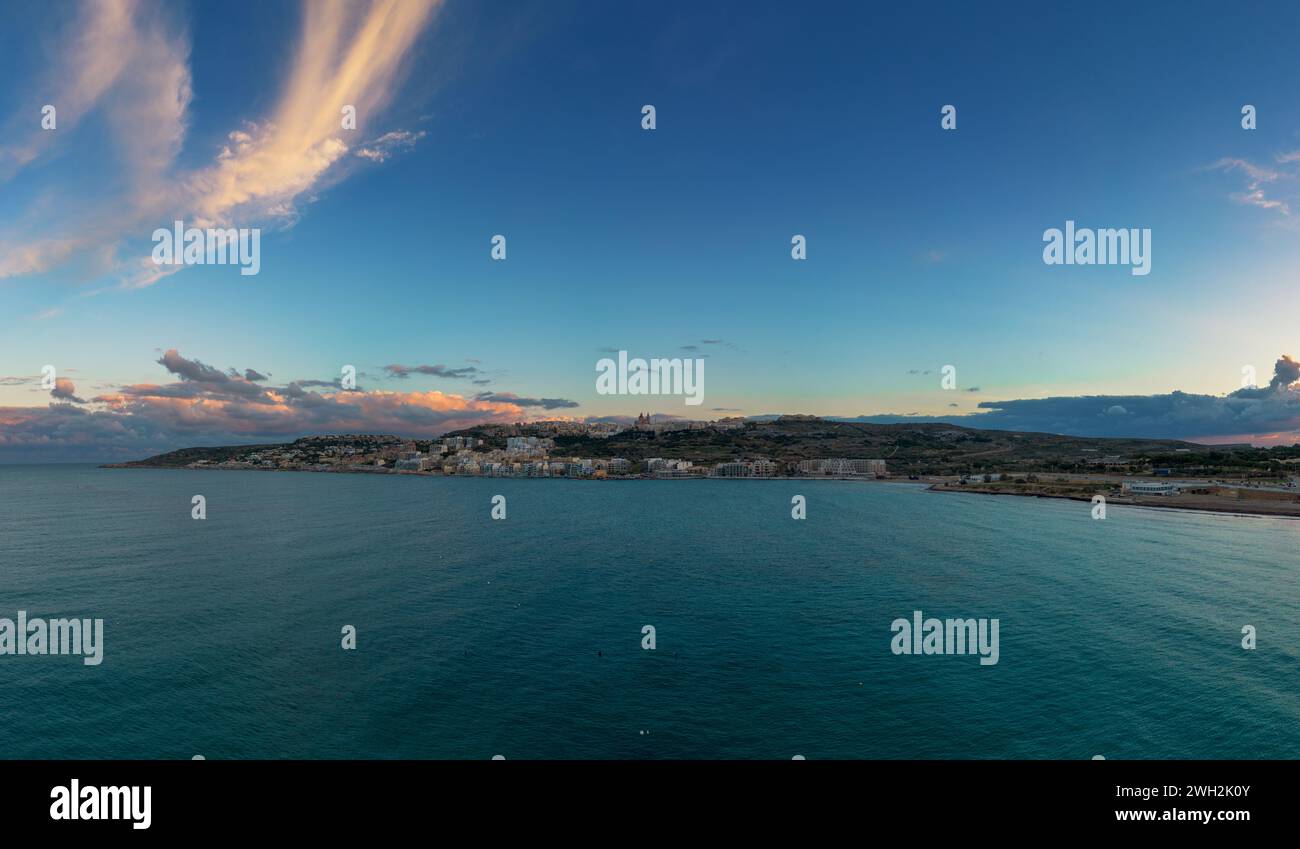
[[658, 464]]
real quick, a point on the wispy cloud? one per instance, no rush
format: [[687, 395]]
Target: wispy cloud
[[99, 47], [402, 372], [131, 60], [387, 145], [511, 398], [724, 343], [1262, 182], [349, 54]]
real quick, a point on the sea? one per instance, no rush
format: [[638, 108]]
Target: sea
[[525, 636]]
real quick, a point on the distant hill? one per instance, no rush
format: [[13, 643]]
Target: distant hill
[[185, 456], [912, 448], [920, 448]]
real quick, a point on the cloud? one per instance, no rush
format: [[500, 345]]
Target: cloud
[[1261, 415], [348, 54], [204, 405], [1260, 181], [511, 398], [65, 390], [130, 62], [199, 379], [100, 43], [384, 147], [1286, 371], [402, 372]]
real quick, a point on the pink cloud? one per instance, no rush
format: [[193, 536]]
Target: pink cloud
[[206, 405]]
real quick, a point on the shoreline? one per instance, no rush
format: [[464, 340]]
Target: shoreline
[[1281, 510], [1193, 504], [404, 473]]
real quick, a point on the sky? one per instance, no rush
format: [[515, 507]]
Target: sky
[[924, 245]]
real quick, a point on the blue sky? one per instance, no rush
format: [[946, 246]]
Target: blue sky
[[524, 119]]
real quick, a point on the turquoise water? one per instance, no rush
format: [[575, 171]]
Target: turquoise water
[[478, 637]]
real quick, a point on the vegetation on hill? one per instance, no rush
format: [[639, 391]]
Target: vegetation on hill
[[908, 449]]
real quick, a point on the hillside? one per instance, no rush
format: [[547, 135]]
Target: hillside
[[908, 448]]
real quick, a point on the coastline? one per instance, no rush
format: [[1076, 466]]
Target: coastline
[[1194, 504], [407, 473], [1218, 505]]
